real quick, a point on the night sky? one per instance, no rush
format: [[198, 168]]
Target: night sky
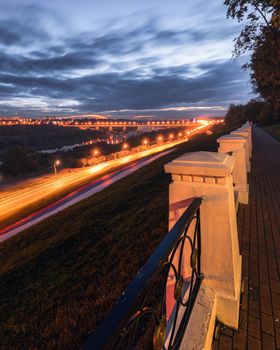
[[119, 58]]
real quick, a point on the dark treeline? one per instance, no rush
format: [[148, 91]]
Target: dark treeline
[[258, 112], [23, 159], [40, 137]]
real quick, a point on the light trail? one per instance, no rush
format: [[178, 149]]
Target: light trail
[[12, 202], [15, 201], [75, 197]]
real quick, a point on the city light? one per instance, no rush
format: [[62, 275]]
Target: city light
[[56, 163], [96, 152], [125, 145], [171, 136], [160, 138], [145, 142]]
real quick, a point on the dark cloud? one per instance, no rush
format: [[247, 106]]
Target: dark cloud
[[25, 27], [121, 70], [40, 65], [223, 81]]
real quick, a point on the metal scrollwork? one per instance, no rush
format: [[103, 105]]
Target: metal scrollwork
[[194, 256], [178, 288], [144, 323], [159, 335]]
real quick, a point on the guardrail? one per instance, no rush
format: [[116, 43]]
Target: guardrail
[[139, 320]]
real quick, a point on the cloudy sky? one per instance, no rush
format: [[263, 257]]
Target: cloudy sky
[[119, 58]]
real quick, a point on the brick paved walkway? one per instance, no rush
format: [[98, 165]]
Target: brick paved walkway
[[259, 238]]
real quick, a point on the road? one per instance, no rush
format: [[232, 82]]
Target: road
[[81, 193], [37, 193], [15, 200]]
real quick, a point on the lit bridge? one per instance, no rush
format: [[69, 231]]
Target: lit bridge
[[144, 125]]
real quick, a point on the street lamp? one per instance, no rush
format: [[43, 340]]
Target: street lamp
[[96, 152], [180, 134], [171, 136], [56, 163], [160, 138], [125, 145], [145, 142]]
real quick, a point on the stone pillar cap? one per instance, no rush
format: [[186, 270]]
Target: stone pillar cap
[[247, 125], [246, 128], [232, 138], [202, 163], [238, 131]]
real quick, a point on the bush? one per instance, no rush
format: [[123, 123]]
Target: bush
[[20, 160]]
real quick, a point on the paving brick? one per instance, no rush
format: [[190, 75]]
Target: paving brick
[[240, 339], [267, 324], [277, 331], [266, 306], [276, 317], [268, 342], [265, 291], [254, 308], [275, 287], [254, 327], [273, 273], [275, 300], [253, 343]]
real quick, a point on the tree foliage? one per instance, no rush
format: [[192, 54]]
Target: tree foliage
[[261, 37], [20, 160], [255, 111]]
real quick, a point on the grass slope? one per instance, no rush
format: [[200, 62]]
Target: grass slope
[[59, 278], [274, 130]]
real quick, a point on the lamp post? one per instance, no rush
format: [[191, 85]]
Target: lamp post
[[145, 142], [160, 139], [55, 165], [96, 152], [125, 146]]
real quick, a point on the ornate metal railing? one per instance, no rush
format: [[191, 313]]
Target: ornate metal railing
[[154, 310]]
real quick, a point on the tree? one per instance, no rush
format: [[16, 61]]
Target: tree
[[265, 74], [255, 110], [260, 36], [20, 160]]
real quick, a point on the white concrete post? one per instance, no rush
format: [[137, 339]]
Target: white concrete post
[[236, 144], [248, 128], [248, 150], [209, 175]]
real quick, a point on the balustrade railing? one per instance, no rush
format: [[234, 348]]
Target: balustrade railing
[[154, 310]]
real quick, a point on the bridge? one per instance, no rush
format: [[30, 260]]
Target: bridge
[[145, 125]]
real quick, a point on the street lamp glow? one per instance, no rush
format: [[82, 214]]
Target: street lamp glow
[[145, 142], [125, 145], [56, 163], [96, 152], [180, 134], [160, 138], [171, 136]]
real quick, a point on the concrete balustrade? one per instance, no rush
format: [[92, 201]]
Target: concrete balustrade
[[236, 144], [246, 134], [215, 177], [247, 126], [209, 175]]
